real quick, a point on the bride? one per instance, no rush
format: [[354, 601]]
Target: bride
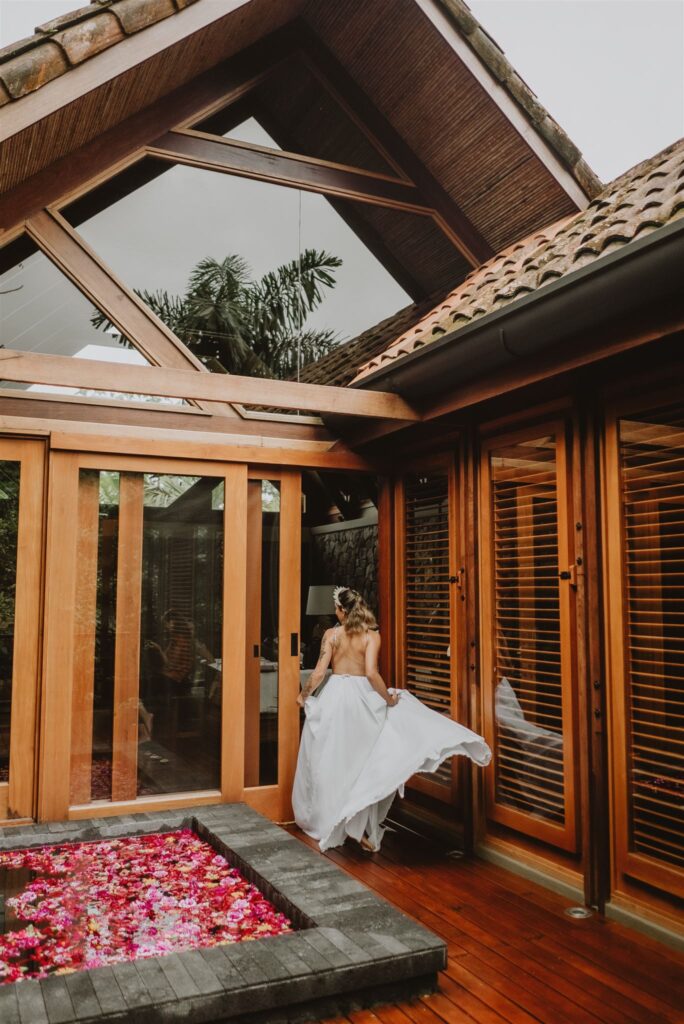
[[361, 741]]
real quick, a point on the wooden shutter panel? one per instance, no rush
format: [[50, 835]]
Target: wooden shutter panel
[[649, 720], [527, 655], [427, 613]]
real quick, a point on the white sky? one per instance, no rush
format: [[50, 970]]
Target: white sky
[[611, 72]]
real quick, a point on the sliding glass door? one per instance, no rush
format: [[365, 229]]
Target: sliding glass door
[[171, 635]]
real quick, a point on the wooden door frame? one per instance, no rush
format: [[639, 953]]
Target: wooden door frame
[[275, 801], [17, 796], [564, 837], [447, 463], [627, 864], [62, 592]]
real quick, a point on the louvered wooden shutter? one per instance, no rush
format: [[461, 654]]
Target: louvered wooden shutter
[[527, 662], [650, 676], [426, 647]]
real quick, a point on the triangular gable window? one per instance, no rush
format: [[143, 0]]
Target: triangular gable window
[[301, 115], [42, 312], [252, 277]]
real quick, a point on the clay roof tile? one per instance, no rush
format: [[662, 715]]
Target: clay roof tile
[[628, 207]]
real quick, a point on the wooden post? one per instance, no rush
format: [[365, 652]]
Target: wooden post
[[289, 601], [58, 646], [234, 633], [127, 643], [84, 638], [254, 544], [27, 625]]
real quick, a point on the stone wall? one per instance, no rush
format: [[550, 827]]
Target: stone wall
[[348, 557]]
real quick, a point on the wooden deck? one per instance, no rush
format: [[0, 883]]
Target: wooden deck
[[514, 956]]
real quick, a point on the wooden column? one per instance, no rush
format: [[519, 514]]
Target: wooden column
[[84, 639], [289, 601], [254, 544], [60, 595], [127, 643], [27, 626], [234, 633], [385, 579]]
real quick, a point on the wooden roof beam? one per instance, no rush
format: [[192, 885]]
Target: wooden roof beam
[[199, 149], [66, 371]]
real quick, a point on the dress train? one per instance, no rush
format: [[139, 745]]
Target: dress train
[[356, 753]]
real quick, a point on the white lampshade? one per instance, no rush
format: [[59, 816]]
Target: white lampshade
[[319, 600]]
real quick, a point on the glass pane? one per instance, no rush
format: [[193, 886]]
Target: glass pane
[[9, 526], [95, 637], [528, 682], [263, 577], [294, 109], [181, 638], [254, 278], [339, 548], [41, 311]]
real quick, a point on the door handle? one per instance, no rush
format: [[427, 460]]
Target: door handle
[[255, 651]]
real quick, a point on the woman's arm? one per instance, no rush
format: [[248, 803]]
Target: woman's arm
[[318, 674], [372, 674]]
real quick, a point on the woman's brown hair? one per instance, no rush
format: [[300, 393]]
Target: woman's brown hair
[[358, 616]]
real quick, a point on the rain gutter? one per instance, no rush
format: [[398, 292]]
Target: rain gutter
[[646, 274]]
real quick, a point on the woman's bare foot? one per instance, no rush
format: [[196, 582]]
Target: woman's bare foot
[[366, 845]]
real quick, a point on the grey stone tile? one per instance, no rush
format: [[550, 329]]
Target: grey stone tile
[[154, 980], [58, 1003], [31, 1003], [82, 995], [9, 1005], [109, 995], [306, 951], [132, 988], [178, 977], [346, 945], [200, 972], [224, 969], [319, 942], [248, 967]]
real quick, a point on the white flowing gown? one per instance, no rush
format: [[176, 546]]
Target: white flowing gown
[[356, 753]]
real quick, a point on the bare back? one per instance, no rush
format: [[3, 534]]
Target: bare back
[[349, 652]]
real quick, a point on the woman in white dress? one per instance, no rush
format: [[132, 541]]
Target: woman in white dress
[[361, 742]]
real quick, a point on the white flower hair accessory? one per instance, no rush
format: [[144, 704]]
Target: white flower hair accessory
[[336, 595]]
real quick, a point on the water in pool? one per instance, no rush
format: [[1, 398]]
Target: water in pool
[[75, 906]]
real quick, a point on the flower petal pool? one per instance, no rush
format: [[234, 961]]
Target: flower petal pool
[[81, 905]]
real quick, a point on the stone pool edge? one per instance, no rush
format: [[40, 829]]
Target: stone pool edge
[[357, 948]]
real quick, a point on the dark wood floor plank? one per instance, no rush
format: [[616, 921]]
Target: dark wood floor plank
[[420, 1013], [467, 973], [453, 1000], [514, 957]]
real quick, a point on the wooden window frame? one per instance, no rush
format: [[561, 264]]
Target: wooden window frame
[[628, 864], [565, 836]]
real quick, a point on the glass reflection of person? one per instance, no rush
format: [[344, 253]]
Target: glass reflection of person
[[181, 650], [174, 670]]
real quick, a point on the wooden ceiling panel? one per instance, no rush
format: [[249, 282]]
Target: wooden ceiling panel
[[434, 102], [101, 106]]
